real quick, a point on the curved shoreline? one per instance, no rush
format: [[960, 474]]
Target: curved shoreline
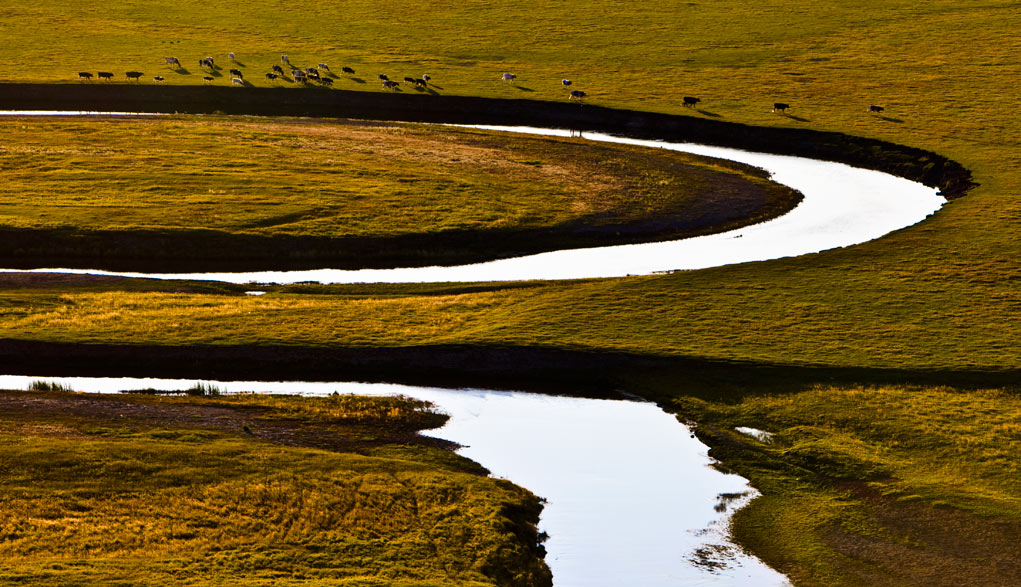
[[325, 227]]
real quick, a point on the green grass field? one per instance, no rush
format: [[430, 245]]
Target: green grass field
[[249, 490], [939, 297]]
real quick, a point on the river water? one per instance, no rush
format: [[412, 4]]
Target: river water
[[632, 497]]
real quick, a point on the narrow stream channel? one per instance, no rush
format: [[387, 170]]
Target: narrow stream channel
[[842, 206], [632, 499]]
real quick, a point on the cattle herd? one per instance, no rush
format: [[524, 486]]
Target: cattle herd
[[324, 77]]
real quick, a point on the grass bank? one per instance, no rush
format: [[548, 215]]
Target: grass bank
[[220, 192], [887, 485], [250, 490]]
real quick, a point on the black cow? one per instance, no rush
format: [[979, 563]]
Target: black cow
[[409, 80], [135, 75], [876, 109], [781, 107], [326, 81], [391, 85], [690, 101], [577, 94], [156, 79], [312, 70], [207, 78], [278, 70], [347, 70], [382, 77], [271, 76], [427, 77], [84, 75], [566, 82], [237, 73], [420, 82], [105, 75]]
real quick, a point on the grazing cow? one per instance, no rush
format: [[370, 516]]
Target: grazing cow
[[135, 75], [427, 77], [207, 78], [409, 80], [566, 82], [314, 76], [347, 70], [237, 73], [105, 75], [231, 56], [237, 81], [84, 75], [324, 66], [326, 81], [876, 109], [509, 77], [172, 61], [278, 70], [382, 77], [690, 101], [300, 76], [577, 94], [781, 107], [391, 85], [284, 59], [271, 76], [157, 79], [420, 82], [206, 63]]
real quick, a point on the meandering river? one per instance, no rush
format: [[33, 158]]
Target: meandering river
[[632, 497]]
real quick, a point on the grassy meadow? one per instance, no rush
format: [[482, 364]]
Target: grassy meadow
[[249, 490], [887, 485], [352, 194]]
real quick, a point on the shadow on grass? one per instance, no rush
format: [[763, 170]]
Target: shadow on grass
[[798, 118], [891, 119], [524, 88], [181, 70], [710, 114], [357, 80]]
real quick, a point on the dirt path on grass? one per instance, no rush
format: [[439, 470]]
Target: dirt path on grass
[[26, 408]]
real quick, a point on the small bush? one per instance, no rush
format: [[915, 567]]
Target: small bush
[[40, 385], [204, 389]]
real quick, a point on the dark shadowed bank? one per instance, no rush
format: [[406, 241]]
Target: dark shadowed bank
[[547, 370], [916, 164]]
